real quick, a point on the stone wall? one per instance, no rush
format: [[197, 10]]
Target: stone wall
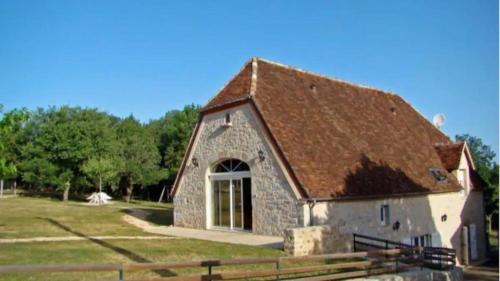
[[315, 240], [274, 203]]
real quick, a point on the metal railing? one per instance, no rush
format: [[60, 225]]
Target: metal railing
[[431, 257]]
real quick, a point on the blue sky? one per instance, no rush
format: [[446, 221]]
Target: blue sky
[[148, 57]]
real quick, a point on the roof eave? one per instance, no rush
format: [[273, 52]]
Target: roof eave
[[378, 196], [220, 107]]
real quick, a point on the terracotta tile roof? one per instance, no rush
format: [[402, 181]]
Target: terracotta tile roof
[[237, 89], [341, 139], [450, 154]]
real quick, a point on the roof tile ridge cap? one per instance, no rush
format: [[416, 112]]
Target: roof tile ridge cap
[[298, 69], [227, 83], [253, 83], [451, 143]]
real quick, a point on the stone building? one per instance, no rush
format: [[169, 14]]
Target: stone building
[[283, 151]]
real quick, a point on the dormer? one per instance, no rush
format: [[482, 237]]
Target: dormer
[[457, 159]]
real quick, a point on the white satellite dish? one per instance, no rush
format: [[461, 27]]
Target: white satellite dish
[[438, 120]]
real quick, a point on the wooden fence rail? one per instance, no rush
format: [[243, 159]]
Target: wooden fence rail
[[340, 266]]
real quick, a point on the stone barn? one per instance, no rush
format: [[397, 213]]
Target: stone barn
[[283, 151]]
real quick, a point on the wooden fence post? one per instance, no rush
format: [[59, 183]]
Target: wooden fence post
[[278, 269], [121, 277]]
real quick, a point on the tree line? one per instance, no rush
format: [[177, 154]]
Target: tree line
[[74, 150]]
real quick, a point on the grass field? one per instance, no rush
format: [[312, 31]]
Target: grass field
[[25, 217]]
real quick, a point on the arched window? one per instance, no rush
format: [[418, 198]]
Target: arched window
[[231, 165]]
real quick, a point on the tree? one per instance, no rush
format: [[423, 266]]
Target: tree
[[171, 134], [72, 148], [138, 156], [487, 169], [10, 123], [62, 140], [100, 170]]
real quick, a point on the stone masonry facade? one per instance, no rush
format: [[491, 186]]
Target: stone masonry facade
[[417, 215], [314, 240], [274, 204], [335, 222]]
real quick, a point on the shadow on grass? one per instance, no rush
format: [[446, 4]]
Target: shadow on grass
[[160, 216], [127, 253]]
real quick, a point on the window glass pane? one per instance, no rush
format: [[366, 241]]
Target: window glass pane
[[237, 204], [231, 165], [221, 203], [220, 169], [225, 207], [242, 166], [384, 214], [215, 201]]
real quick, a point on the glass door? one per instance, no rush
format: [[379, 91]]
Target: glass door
[[222, 203], [227, 203]]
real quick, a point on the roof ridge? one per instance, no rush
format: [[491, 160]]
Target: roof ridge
[[253, 81], [298, 69], [448, 144]]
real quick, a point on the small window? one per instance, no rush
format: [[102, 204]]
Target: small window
[[416, 241], [384, 215], [422, 240], [227, 120], [438, 174], [462, 177]]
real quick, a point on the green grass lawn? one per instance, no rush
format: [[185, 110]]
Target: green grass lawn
[[125, 251], [25, 217]]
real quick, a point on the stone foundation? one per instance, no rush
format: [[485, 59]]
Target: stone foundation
[[315, 240]]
